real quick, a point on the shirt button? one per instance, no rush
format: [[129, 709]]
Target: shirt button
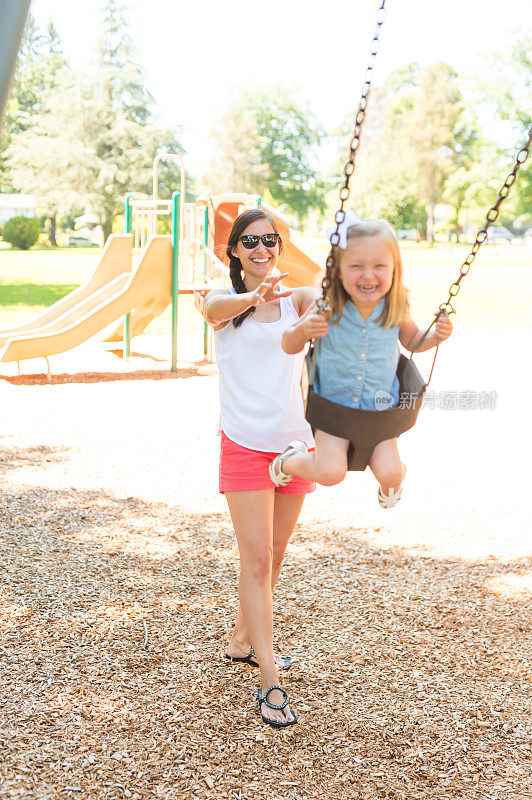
[[365, 330], [359, 377], [362, 355], [356, 399]]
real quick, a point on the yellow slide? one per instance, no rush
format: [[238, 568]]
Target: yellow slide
[[97, 310], [115, 259]]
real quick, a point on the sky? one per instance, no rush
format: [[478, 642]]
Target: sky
[[198, 53]]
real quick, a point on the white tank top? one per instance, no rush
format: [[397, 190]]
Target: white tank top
[[261, 402]]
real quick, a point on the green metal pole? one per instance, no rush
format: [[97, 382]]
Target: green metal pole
[[259, 201], [205, 242], [128, 217], [175, 275]]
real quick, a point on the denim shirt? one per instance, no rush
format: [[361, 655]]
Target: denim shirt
[[357, 361]]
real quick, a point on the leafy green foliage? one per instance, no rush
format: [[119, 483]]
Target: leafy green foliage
[[419, 133], [39, 63], [510, 89], [266, 143], [121, 80], [21, 232], [90, 141], [288, 134]]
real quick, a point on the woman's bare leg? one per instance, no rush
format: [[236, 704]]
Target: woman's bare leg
[[287, 508], [252, 513], [386, 465]]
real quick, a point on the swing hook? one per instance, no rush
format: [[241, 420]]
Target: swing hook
[[445, 310], [323, 305]]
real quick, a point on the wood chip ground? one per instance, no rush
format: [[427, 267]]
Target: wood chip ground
[[410, 630]]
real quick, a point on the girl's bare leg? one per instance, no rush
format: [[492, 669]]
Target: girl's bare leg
[[386, 465], [252, 513], [287, 508], [327, 465]]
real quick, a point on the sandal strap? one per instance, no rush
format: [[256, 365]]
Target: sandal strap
[[272, 705], [290, 451], [282, 478]]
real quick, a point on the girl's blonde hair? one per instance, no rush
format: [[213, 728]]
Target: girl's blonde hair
[[396, 300]]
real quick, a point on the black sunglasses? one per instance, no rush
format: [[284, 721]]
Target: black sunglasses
[[250, 240]]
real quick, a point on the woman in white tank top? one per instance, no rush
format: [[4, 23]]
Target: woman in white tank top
[[261, 408]]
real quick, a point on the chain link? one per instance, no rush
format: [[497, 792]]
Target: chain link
[[482, 234], [447, 308], [349, 167]]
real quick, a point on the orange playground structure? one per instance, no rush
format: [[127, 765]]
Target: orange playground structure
[[139, 273]]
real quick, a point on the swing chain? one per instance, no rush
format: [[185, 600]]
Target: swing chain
[[349, 166], [445, 309], [482, 234]]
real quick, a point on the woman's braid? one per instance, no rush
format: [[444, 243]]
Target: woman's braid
[[235, 273]]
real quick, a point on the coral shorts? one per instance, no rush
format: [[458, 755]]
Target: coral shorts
[[243, 470]]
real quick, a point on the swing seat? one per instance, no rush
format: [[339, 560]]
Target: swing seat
[[365, 429]]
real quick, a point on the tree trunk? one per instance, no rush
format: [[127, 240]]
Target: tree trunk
[[430, 223], [107, 226], [51, 230]]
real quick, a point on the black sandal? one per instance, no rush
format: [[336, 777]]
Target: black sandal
[[285, 664], [263, 698]]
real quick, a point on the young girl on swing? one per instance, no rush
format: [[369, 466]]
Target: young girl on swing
[[358, 352]]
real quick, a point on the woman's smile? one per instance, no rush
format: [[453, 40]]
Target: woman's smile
[[258, 263]]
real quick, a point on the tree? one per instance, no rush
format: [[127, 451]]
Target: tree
[[439, 136], [120, 142], [266, 143], [92, 141], [43, 158], [418, 134], [37, 79], [39, 64], [237, 164], [384, 183], [508, 86], [121, 80]]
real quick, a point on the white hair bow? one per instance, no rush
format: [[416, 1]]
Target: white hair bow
[[350, 218]]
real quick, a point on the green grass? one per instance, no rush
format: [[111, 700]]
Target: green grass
[[32, 280], [496, 291], [55, 265], [34, 294]]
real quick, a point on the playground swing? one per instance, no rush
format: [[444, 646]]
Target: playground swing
[[365, 429]]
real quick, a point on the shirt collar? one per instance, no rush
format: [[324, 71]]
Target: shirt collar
[[354, 313]]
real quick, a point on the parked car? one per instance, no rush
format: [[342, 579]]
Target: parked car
[[409, 234], [80, 241], [497, 234]]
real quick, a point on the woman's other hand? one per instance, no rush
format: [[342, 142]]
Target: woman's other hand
[[199, 299]]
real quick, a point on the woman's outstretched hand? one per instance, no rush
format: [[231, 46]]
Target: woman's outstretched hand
[[266, 291]]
